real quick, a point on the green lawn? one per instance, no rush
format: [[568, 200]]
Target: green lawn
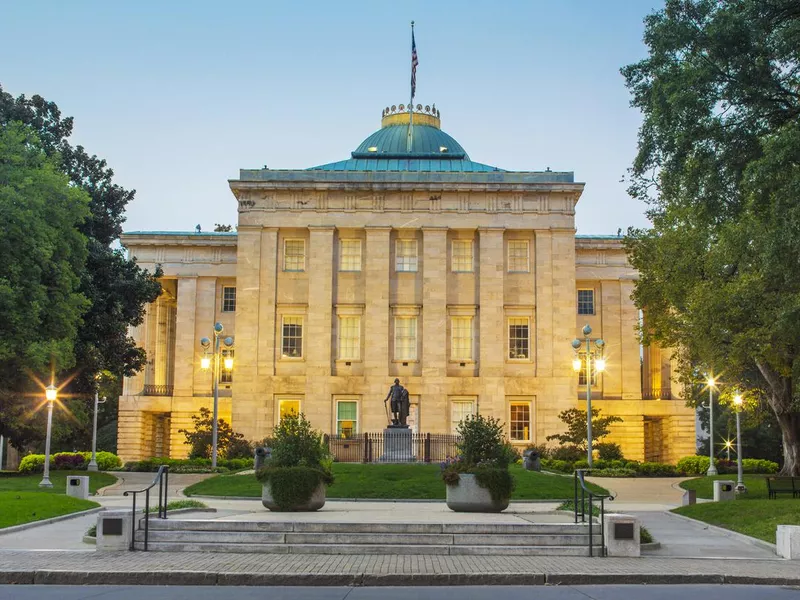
[[23, 501], [395, 481], [755, 517], [756, 486]]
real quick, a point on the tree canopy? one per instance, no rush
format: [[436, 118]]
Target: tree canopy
[[718, 164]]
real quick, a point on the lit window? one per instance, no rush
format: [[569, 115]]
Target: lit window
[[585, 302], [346, 418], [461, 338], [294, 255], [288, 407], [225, 375], [518, 338], [582, 373], [406, 255], [461, 261], [349, 338], [518, 256], [520, 421], [292, 337], [228, 299], [460, 410], [350, 259], [405, 338]]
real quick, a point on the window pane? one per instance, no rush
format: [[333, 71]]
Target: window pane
[[518, 338], [582, 373], [288, 407], [351, 255], [520, 421], [405, 338], [518, 256], [225, 375], [349, 338], [461, 338], [585, 302], [406, 255], [292, 344], [346, 418], [462, 256], [228, 299], [460, 410], [294, 255]]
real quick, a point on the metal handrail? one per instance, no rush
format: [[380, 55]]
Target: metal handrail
[[585, 491], [162, 479]]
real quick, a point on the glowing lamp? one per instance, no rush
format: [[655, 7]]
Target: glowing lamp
[[51, 393], [600, 365], [711, 382], [228, 363], [205, 363], [576, 364], [737, 400]]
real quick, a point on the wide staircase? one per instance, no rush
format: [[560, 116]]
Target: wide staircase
[[297, 537]]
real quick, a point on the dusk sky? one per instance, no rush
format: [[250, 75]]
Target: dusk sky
[[178, 96]]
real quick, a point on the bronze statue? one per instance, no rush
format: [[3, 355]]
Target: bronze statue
[[400, 404]]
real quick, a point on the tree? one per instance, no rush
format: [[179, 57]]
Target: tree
[[718, 164], [230, 444], [42, 259], [577, 434], [219, 227], [117, 288]]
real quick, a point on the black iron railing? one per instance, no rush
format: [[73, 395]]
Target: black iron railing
[[582, 494], [662, 393], [157, 390], [394, 447], [162, 479]]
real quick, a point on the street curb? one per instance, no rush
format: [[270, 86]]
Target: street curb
[[32, 524], [110, 486], [192, 578], [404, 500], [729, 533]]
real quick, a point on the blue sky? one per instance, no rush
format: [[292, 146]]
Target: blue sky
[[178, 96]]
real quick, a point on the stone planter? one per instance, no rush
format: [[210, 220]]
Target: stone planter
[[316, 501], [468, 496]]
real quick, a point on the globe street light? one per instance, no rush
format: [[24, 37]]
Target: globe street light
[[740, 486], [50, 394], [595, 356], [712, 468], [92, 466], [205, 363]]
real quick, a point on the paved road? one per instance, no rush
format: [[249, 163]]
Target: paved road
[[607, 592]]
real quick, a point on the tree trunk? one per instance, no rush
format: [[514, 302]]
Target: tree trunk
[[780, 400]]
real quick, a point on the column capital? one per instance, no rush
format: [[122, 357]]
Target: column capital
[[322, 228], [491, 229], [377, 228], [435, 228]]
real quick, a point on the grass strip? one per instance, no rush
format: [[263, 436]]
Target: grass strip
[[758, 518], [17, 508], [18, 482]]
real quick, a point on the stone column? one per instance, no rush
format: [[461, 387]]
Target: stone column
[[376, 325], [493, 329], [319, 334], [543, 317], [186, 346], [267, 342], [204, 318], [611, 334], [630, 366]]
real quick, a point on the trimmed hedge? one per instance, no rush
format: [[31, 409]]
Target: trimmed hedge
[[189, 465], [689, 465], [698, 465], [69, 461]]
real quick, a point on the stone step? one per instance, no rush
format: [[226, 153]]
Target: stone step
[[383, 549], [391, 539]]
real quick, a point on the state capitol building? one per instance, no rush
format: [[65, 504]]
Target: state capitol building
[[405, 260]]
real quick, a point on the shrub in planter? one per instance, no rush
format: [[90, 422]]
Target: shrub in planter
[[294, 478], [478, 480]]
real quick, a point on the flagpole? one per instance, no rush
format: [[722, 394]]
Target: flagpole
[[410, 139]]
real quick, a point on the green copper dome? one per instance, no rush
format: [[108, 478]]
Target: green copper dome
[[427, 141]]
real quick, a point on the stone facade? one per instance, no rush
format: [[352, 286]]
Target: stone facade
[[465, 286]]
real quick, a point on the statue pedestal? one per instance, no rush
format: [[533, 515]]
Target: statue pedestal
[[397, 445]]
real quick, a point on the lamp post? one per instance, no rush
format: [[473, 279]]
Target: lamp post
[[50, 394], [92, 466], [600, 365], [205, 363], [712, 468], [741, 488]]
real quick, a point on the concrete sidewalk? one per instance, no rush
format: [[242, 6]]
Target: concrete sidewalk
[[188, 568]]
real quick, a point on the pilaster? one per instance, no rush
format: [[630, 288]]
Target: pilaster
[[376, 323], [543, 327], [434, 302], [319, 334], [492, 322]]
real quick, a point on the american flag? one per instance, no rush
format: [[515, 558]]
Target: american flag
[[414, 63]]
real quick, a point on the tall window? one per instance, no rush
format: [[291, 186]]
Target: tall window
[[520, 421], [518, 338], [225, 375], [582, 374], [350, 259], [294, 255], [288, 406], [228, 299], [585, 302], [461, 338], [518, 256], [405, 338], [349, 338], [292, 337], [406, 255], [461, 261], [346, 418], [460, 410]]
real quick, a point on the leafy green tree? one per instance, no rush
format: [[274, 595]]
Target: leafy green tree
[[577, 434], [229, 443], [42, 260], [719, 165], [116, 287]]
